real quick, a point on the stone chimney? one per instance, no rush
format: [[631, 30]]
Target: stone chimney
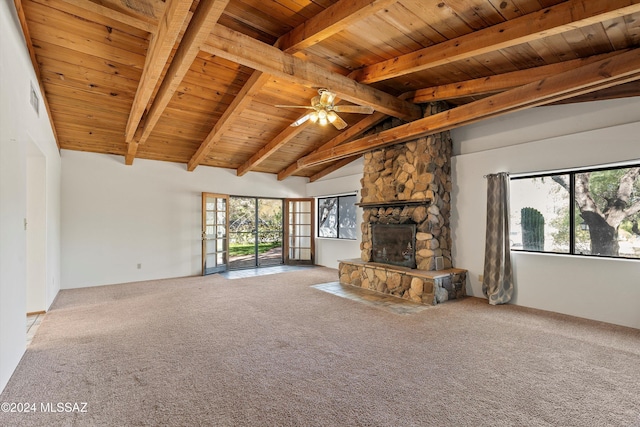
[[410, 183]]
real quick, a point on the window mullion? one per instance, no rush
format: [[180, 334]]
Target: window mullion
[[572, 213], [338, 218]]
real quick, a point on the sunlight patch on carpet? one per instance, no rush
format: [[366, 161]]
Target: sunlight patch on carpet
[[262, 271], [373, 299]]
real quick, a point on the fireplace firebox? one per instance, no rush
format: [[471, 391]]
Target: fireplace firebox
[[394, 244]]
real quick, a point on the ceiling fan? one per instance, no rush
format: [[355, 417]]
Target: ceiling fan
[[325, 112]]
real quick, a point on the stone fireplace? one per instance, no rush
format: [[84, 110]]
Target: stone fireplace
[[406, 236]]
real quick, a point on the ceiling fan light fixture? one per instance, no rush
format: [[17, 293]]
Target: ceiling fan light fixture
[[322, 117], [323, 111]]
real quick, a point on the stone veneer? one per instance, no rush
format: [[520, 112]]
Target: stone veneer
[[415, 171], [409, 183]]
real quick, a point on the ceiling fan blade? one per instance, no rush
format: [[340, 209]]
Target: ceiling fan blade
[[360, 109], [326, 97], [294, 106], [339, 123], [301, 120]]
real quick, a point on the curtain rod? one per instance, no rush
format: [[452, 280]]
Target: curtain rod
[[497, 173]]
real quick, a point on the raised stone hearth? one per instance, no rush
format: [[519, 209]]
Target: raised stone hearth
[[426, 287], [408, 184]]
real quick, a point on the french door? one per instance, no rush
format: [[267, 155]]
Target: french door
[[249, 232], [299, 220], [255, 232], [215, 233]]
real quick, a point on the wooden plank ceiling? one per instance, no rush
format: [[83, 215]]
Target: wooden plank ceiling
[[197, 82]]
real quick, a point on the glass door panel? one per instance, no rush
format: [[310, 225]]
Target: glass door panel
[[214, 233], [256, 232], [299, 247], [270, 232], [242, 232]]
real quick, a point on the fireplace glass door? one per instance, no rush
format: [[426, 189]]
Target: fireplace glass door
[[394, 244]]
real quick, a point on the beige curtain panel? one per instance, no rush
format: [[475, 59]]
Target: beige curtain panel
[[497, 284]]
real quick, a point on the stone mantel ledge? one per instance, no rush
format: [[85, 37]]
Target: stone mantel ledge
[[394, 203], [428, 287]]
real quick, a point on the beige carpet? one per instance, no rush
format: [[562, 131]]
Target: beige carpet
[[274, 351]]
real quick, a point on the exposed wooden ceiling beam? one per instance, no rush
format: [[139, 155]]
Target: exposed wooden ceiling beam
[[34, 62], [162, 42], [250, 88], [625, 90], [330, 21], [500, 82], [244, 97], [204, 19], [252, 53], [272, 146], [334, 167], [115, 15], [353, 131], [619, 69], [307, 36], [544, 23]]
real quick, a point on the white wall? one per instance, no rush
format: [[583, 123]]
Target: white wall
[[601, 289], [343, 181], [543, 123], [19, 127], [36, 171], [116, 216]]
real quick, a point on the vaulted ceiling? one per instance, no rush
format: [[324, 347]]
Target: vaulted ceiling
[[198, 82]]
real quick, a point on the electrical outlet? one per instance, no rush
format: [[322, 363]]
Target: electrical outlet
[[139, 266], [480, 278]]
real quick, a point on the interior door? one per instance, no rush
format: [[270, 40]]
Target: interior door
[[299, 233], [215, 232]]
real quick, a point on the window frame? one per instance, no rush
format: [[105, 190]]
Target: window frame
[[319, 206], [572, 207]]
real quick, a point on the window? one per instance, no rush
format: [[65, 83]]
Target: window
[[584, 212], [337, 217]]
